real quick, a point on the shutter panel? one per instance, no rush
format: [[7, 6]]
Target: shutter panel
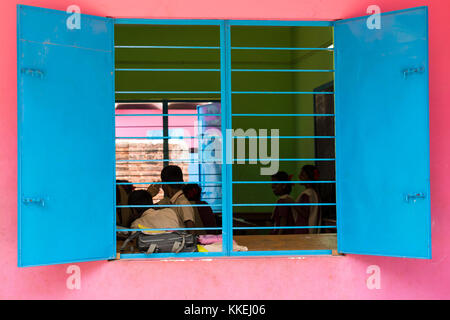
[[66, 146], [382, 145]]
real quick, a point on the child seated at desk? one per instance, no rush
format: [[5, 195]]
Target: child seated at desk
[[151, 218], [283, 216]]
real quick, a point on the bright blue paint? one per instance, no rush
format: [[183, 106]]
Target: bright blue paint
[[166, 114], [281, 48], [278, 204], [281, 70], [295, 182], [382, 145], [138, 69], [280, 253], [283, 114], [280, 23], [279, 92], [62, 147], [280, 228], [198, 22], [163, 47]]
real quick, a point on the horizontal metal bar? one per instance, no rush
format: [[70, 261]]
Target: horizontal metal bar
[[287, 159], [280, 92], [165, 47], [168, 92], [280, 253], [168, 114], [283, 114], [138, 69], [183, 255], [283, 70], [160, 138], [281, 228], [169, 205], [234, 137], [281, 204], [284, 137], [281, 23], [194, 22], [270, 182], [169, 160], [166, 229], [281, 48], [162, 183]]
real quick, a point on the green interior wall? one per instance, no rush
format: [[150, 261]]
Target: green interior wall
[[128, 35]]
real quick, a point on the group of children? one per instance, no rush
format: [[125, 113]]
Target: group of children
[[176, 210], [304, 215]]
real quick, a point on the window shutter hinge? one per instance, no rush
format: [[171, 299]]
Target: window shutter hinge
[[38, 201], [33, 72], [411, 71]]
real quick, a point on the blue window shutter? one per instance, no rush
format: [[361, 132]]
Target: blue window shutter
[[66, 147], [382, 145]]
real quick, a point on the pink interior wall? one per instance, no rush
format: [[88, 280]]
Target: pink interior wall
[[274, 278]]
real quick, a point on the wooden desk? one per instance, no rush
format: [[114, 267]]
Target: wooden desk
[[324, 241]]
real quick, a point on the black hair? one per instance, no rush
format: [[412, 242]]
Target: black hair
[[284, 177], [172, 174], [192, 192], [311, 171], [139, 198]]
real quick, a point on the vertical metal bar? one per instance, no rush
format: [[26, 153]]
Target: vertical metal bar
[[336, 141], [165, 111], [113, 111], [227, 186]]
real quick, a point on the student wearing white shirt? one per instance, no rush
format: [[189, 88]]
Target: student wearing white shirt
[[173, 195]]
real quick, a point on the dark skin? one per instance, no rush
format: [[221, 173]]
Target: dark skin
[[169, 191], [278, 189]]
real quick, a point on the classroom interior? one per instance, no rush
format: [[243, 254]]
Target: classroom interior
[[167, 97]]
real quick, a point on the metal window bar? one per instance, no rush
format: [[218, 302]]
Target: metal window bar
[[226, 93]]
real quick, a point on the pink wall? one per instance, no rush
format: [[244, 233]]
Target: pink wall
[[274, 278]]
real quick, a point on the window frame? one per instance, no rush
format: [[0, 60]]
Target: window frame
[[226, 123]]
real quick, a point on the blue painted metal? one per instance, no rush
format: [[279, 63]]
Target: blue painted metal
[[138, 69], [168, 92], [167, 206], [166, 114], [227, 109], [280, 23], [281, 48], [282, 70], [283, 115], [280, 204], [280, 228], [278, 92], [59, 145], [284, 137], [163, 47], [166, 229], [382, 148], [288, 159], [295, 182], [281, 253], [198, 22]]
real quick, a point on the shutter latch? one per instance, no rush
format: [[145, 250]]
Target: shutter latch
[[411, 71], [415, 196], [38, 201], [33, 72]]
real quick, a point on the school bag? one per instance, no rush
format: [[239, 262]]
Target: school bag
[[174, 242]]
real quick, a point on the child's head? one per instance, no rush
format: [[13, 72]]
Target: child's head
[[192, 192], [309, 173], [280, 189], [140, 198], [171, 174]]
